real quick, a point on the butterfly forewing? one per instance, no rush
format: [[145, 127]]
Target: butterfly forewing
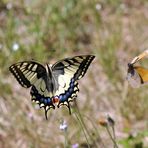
[[27, 73], [76, 66]]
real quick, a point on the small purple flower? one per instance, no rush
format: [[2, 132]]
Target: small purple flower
[[76, 145], [30, 115], [63, 126]]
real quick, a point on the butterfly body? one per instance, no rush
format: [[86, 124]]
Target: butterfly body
[[52, 85]]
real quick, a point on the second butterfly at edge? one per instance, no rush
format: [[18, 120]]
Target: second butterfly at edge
[[51, 85], [137, 75]]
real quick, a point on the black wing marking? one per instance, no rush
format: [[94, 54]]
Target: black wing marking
[[77, 65], [27, 72]]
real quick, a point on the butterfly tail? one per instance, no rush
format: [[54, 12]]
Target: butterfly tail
[[69, 108], [46, 111]]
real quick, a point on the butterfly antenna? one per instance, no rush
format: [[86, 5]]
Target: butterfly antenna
[[32, 59]]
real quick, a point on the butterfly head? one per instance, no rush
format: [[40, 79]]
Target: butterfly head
[[48, 68], [131, 70]]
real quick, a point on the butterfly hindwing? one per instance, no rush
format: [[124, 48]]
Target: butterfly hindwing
[[43, 101], [69, 95]]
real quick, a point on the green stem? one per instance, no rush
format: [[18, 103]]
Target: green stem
[[82, 126], [96, 130], [66, 141], [112, 138], [77, 110]]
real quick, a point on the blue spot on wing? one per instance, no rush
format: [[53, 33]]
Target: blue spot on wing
[[68, 95], [47, 101], [41, 100]]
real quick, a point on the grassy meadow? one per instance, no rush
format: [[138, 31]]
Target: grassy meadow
[[115, 31]]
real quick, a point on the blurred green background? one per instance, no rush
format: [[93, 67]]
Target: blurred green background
[[115, 31]]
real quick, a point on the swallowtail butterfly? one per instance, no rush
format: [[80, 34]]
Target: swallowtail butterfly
[[52, 85]]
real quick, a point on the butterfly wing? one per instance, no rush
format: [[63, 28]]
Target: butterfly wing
[[34, 75], [137, 75], [133, 77], [66, 73], [27, 73], [143, 73]]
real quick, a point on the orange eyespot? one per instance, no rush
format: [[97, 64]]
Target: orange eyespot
[[55, 100]]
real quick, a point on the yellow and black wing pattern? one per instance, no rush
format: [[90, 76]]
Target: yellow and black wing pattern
[[27, 73], [50, 85]]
